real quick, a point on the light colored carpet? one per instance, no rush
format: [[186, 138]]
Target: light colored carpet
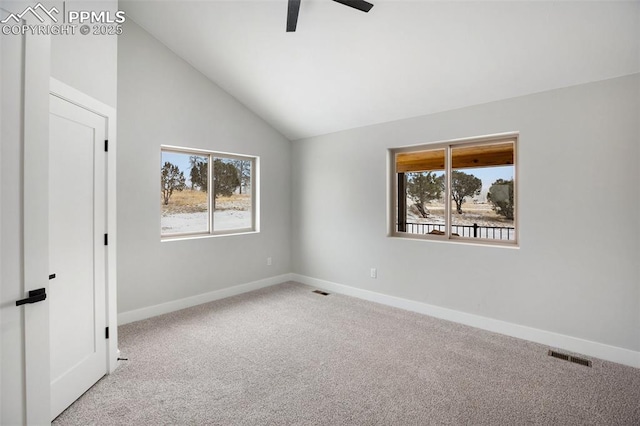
[[286, 356]]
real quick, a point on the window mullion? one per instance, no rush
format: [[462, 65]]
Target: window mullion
[[447, 193], [212, 195], [254, 193]]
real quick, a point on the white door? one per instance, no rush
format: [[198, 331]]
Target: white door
[[77, 251]]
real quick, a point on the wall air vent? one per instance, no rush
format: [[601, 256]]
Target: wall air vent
[[320, 292], [570, 358]]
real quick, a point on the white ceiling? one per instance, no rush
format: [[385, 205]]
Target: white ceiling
[[344, 68]]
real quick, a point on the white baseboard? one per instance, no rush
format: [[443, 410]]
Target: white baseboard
[[187, 302], [548, 338]]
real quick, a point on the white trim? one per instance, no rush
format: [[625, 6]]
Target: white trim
[[555, 340], [187, 302], [35, 223], [472, 140], [68, 93], [186, 237], [74, 96], [216, 154]]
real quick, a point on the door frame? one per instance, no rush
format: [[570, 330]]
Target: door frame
[[69, 94], [35, 226]]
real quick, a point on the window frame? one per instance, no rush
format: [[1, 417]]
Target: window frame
[[448, 146], [254, 182]]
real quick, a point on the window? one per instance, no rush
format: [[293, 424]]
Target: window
[[206, 193], [457, 191]]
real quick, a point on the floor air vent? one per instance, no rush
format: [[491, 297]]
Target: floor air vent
[[320, 292], [570, 358]]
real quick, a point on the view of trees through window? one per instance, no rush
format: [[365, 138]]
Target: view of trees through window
[[188, 196], [481, 196]]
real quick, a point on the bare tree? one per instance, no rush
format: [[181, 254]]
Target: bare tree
[[244, 173], [171, 179]]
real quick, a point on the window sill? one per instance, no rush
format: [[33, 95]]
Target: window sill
[[184, 237]]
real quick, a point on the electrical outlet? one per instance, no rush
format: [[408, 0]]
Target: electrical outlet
[[269, 261], [374, 273]]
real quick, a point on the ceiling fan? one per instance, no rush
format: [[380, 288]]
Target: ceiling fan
[[294, 8]]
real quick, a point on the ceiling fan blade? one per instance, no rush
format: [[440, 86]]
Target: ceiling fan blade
[[356, 4], [292, 15]]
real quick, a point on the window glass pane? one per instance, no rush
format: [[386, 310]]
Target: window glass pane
[[184, 193], [482, 191], [233, 204], [421, 183]]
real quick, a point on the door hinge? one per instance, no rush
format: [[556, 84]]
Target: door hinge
[[106, 239], [106, 332], [106, 145]]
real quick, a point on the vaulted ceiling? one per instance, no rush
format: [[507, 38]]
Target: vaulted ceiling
[[343, 68]]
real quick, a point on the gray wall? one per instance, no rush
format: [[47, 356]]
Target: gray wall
[[576, 271], [88, 63], [163, 100]]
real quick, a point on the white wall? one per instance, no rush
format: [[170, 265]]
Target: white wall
[[163, 100], [576, 271], [87, 63]]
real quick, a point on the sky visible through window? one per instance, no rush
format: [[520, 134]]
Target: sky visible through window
[[488, 175], [178, 159], [181, 159]]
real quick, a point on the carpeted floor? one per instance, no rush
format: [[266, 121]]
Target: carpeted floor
[[286, 356]]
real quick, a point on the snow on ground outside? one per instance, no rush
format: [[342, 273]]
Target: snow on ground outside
[[182, 223]]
